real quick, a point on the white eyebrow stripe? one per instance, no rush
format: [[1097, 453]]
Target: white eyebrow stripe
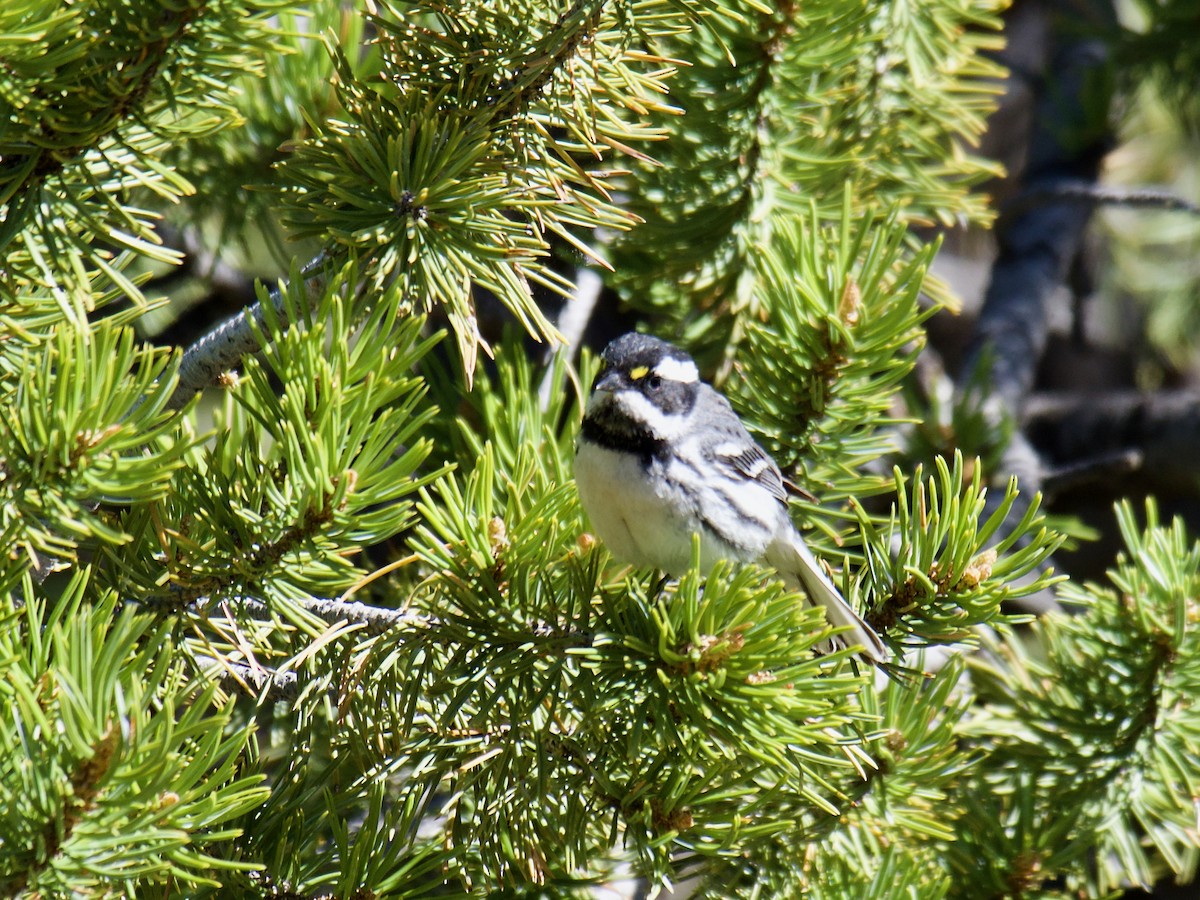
[[682, 370]]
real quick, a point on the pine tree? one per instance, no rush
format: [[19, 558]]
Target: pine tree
[[312, 609]]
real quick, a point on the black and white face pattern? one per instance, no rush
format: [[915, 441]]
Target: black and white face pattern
[[642, 396]]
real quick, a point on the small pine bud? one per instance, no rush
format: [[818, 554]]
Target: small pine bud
[[978, 571], [497, 536], [850, 305]]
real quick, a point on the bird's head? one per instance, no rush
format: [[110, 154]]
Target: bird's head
[[644, 386]]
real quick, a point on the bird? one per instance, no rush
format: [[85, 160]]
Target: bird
[[662, 456]]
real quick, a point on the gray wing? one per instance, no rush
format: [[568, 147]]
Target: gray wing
[[733, 449], [754, 464]]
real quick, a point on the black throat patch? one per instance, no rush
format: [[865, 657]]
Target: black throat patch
[[623, 438]]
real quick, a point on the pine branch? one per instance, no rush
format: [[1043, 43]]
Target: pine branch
[[140, 751], [1161, 429], [1039, 244], [266, 685], [572, 323], [213, 355], [135, 83], [373, 619], [534, 715], [947, 559], [1092, 194]]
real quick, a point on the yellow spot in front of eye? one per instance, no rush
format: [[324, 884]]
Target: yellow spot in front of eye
[[637, 374]]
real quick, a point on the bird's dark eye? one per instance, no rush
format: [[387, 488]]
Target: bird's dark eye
[[654, 382]]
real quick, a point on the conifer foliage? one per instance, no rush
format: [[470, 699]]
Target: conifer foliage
[[335, 625]]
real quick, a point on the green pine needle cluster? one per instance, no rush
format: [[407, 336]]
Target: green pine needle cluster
[[796, 104], [843, 331], [338, 626], [94, 94], [115, 770], [1095, 781], [97, 433], [934, 569], [437, 209], [293, 481]]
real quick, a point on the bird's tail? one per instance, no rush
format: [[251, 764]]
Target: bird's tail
[[799, 568]]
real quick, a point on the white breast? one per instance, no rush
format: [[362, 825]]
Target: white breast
[[638, 526], [642, 521]]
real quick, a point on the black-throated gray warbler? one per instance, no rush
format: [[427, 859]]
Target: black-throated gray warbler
[[662, 456]]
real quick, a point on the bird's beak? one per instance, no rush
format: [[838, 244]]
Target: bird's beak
[[607, 382], [603, 388]]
